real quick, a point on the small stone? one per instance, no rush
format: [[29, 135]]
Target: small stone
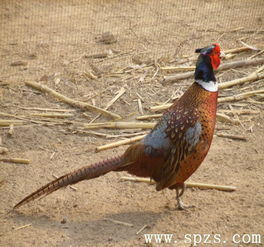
[[44, 78], [57, 81], [3, 150], [64, 221], [32, 56], [140, 60], [137, 60], [107, 38]]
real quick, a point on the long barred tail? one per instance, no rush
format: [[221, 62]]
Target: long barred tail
[[84, 173]]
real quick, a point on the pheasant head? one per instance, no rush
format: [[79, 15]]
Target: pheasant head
[[208, 61]]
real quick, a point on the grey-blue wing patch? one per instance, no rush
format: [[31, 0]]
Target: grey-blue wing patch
[[157, 140], [192, 135]]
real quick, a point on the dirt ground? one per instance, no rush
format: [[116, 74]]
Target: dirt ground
[[50, 42]]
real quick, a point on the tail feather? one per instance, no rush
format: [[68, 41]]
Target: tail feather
[[84, 173]]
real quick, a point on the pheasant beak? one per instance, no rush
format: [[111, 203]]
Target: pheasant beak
[[222, 55]]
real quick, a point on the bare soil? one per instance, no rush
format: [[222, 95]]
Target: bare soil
[[49, 42]]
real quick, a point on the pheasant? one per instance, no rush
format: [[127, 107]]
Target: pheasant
[[174, 148]]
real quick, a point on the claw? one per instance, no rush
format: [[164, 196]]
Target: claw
[[181, 206]]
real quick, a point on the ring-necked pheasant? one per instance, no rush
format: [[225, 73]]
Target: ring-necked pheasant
[[176, 146]]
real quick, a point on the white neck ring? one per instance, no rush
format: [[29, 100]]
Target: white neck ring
[[211, 86]]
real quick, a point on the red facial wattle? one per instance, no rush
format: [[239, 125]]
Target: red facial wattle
[[215, 57], [215, 60]]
